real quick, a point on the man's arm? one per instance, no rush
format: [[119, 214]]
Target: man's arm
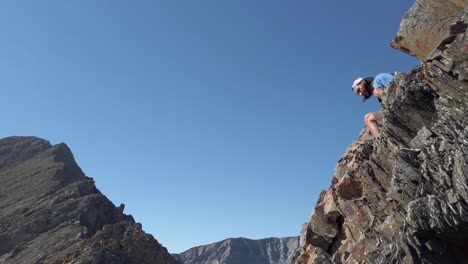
[[378, 92]]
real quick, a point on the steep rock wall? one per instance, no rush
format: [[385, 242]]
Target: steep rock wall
[[402, 197]]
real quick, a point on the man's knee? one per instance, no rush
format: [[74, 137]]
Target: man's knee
[[369, 117]]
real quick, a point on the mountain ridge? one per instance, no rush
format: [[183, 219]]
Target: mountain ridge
[[50, 212], [242, 250]]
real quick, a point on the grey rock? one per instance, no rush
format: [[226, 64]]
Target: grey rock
[[421, 138], [50, 212], [303, 236]]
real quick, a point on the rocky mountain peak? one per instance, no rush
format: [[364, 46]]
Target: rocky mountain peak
[[50, 212]]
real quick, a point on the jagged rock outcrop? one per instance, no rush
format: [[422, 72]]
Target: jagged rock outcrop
[[402, 197], [429, 25], [50, 212], [242, 251]]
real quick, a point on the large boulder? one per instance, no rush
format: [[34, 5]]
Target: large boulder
[[430, 24]]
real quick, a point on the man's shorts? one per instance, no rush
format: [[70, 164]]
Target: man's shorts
[[379, 116]]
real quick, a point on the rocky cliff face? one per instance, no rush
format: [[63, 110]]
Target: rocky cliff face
[[242, 251], [402, 197], [50, 212]]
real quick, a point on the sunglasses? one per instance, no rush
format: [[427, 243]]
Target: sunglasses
[[357, 90]]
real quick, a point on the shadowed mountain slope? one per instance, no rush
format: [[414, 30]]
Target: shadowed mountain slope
[[50, 212]]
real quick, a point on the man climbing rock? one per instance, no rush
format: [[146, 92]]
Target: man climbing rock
[[366, 87]]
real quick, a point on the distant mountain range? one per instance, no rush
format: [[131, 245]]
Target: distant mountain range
[[242, 251]]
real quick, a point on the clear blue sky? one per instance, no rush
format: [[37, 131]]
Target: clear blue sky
[[209, 119]]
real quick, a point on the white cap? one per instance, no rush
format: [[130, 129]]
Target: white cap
[[357, 81]]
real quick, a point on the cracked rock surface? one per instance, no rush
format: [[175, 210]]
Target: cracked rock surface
[[402, 197]]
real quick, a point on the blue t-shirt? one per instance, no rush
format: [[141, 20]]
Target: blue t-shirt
[[382, 80]]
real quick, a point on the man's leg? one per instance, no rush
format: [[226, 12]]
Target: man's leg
[[372, 124]]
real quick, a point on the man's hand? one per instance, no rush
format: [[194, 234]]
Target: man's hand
[[378, 92]]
